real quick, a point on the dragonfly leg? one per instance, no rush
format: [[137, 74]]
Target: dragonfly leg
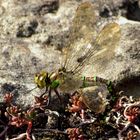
[[58, 95], [44, 92]]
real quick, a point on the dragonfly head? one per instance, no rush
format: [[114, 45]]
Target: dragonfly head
[[42, 79]]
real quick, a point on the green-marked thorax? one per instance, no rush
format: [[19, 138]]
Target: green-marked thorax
[[54, 81]]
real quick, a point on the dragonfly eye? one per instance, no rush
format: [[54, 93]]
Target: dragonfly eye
[[40, 79]]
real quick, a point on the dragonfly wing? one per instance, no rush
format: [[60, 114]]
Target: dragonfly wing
[[85, 46], [82, 33], [107, 41], [69, 82]]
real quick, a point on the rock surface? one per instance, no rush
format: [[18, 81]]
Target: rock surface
[[32, 33]]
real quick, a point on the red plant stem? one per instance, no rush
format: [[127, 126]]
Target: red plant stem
[[28, 131]]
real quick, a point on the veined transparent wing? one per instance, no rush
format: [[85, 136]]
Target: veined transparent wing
[[86, 46], [82, 33]]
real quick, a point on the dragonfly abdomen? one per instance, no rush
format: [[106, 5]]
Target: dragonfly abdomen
[[92, 81]]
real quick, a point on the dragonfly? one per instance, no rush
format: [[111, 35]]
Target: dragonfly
[[85, 47]]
